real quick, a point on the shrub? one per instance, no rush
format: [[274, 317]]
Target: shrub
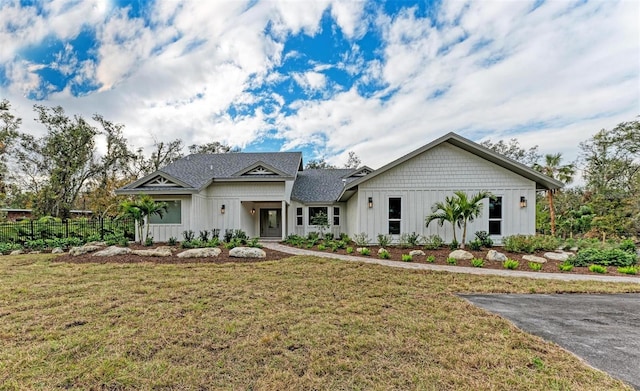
[[565, 266], [188, 235], [384, 254], [485, 240], [228, 235], [240, 236], [530, 243], [6, 248], [148, 241], [361, 239], [407, 258], [451, 261], [475, 245], [607, 257], [204, 236], [384, 240], [454, 245], [365, 251], [409, 239], [328, 236], [628, 270], [123, 242], [213, 242], [477, 262], [598, 269], [313, 236], [431, 258], [172, 241], [433, 242], [349, 250], [322, 247], [511, 264], [628, 245], [535, 266], [35, 245]]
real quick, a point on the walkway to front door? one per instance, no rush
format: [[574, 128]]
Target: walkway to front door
[[270, 223]]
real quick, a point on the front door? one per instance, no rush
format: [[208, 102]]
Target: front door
[[270, 223]]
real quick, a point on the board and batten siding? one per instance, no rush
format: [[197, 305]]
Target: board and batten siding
[[162, 232], [305, 228], [431, 176]]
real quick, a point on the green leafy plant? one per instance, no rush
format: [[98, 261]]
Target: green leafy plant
[[451, 261], [407, 258], [628, 270], [409, 239], [188, 235], [510, 264], [477, 262], [433, 242], [148, 241], [123, 242], [535, 266], [172, 241], [213, 242], [485, 240], [598, 269], [361, 239], [365, 251], [254, 242], [384, 240], [565, 266], [475, 245], [204, 236], [604, 257], [530, 243], [384, 254], [349, 250], [431, 258], [628, 245], [322, 247], [454, 245]]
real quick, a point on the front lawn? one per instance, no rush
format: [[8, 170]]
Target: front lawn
[[298, 323]]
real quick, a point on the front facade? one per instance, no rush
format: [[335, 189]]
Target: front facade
[[269, 195]]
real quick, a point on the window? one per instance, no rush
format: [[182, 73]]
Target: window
[[336, 215], [173, 215], [299, 219], [314, 210], [395, 214], [495, 216]]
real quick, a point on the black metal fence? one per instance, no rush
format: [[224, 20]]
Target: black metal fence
[[85, 229]]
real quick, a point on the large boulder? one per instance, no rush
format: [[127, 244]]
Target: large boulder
[[162, 251], [200, 253], [533, 258], [75, 251], [559, 256], [416, 253], [96, 243], [112, 251], [496, 256], [460, 255], [57, 250], [247, 252], [16, 252]]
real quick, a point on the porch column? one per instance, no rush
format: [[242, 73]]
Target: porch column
[[284, 219]]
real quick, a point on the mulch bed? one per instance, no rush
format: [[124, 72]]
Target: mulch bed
[[130, 258], [442, 254]]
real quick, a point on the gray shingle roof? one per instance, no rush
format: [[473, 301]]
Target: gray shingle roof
[[320, 185], [199, 169]]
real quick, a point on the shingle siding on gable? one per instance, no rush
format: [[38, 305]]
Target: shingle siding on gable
[[267, 190], [444, 167]]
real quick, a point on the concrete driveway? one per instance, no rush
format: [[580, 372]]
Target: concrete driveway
[[603, 330]]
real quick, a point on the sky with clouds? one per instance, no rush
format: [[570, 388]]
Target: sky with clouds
[[328, 76]]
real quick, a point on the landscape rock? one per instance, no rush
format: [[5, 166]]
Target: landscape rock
[[162, 251], [112, 251], [16, 252], [247, 252], [416, 253], [57, 250], [533, 258], [494, 255], [75, 251], [557, 256], [99, 244], [200, 252], [461, 255], [35, 252], [360, 249], [381, 250]]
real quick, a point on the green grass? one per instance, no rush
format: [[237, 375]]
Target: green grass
[[300, 323]]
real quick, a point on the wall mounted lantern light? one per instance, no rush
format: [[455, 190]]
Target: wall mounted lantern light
[[523, 202], [253, 211], [370, 202], [222, 209]]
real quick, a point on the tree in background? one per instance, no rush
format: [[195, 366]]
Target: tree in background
[[318, 163], [9, 125], [553, 169], [513, 150], [212, 147], [353, 161]]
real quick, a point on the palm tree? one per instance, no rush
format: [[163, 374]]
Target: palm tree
[[445, 211], [140, 209], [469, 209], [553, 169]]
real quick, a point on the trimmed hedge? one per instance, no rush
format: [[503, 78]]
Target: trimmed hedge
[[608, 257]]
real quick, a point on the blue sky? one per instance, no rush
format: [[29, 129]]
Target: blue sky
[[328, 77]]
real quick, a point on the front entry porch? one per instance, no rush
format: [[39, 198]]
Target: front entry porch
[[265, 219]]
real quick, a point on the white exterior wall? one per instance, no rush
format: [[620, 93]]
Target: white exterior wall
[[353, 215], [162, 232], [435, 174], [305, 228]]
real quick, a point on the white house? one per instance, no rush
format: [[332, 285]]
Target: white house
[[270, 195]]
